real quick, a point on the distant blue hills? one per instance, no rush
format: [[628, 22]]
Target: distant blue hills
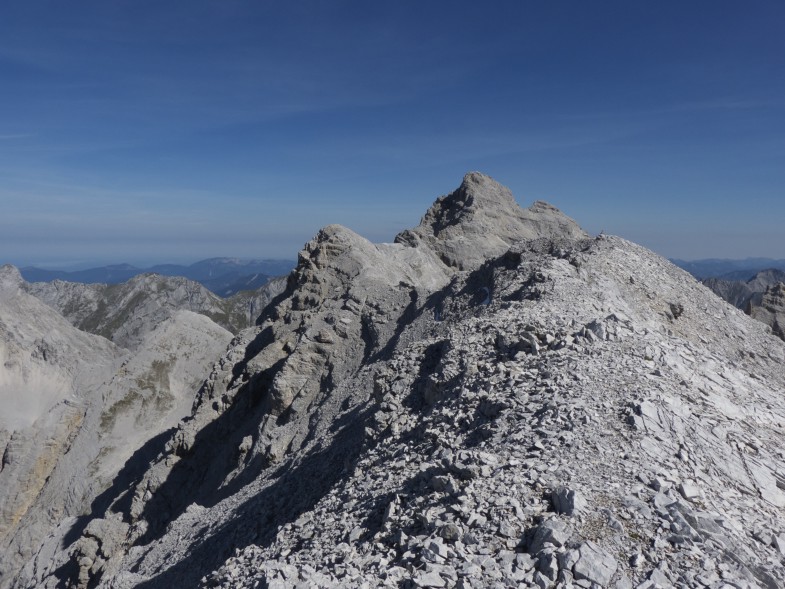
[[223, 276], [728, 269]]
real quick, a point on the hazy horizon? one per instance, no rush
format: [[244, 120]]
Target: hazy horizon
[[143, 132], [76, 265]]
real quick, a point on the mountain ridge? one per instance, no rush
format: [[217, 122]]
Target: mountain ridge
[[479, 404], [125, 313], [223, 276]]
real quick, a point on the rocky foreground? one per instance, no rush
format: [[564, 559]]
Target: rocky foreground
[[495, 400]]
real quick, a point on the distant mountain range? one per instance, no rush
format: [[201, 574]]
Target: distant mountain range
[[222, 276], [728, 269]]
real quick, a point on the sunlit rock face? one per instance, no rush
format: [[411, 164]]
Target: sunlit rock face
[[495, 399]]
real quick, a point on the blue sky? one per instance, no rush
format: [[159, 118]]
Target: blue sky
[[147, 131]]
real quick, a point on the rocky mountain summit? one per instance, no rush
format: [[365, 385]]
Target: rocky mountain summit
[[480, 220], [494, 400]]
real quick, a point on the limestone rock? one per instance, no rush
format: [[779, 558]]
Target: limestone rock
[[594, 565], [400, 416], [125, 313], [481, 220], [762, 297], [567, 501], [771, 309], [76, 407]]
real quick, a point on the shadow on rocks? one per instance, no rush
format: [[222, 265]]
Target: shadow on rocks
[[296, 488], [117, 496], [199, 475]]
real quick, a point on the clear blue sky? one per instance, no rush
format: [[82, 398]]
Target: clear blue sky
[[147, 131]]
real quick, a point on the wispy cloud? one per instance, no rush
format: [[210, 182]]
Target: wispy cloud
[[719, 104], [14, 136]]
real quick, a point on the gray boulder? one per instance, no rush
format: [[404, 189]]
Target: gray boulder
[[567, 501], [594, 564]]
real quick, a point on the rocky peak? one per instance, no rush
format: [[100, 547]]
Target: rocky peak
[[771, 309], [478, 195], [481, 219], [10, 278], [331, 242]]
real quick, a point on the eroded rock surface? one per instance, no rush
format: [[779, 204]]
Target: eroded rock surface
[[481, 220], [125, 313], [476, 405], [770, 309]]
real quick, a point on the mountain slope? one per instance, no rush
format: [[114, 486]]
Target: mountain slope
[[49, 374], [592, 423], [125, 313], [479, 404], [75, 407], [33, 342]]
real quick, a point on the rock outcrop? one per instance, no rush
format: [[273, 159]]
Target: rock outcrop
[[770, 309], [495, 400], [481, 220], [760, 297]]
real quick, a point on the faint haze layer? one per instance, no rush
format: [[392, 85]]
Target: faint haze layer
[[145, 132]]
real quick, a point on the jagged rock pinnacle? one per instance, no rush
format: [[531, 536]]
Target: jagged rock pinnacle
[[10, 278], [480, 220]]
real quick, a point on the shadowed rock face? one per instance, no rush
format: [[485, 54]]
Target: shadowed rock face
[[771, 309], [760, 296], [494, 398]]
